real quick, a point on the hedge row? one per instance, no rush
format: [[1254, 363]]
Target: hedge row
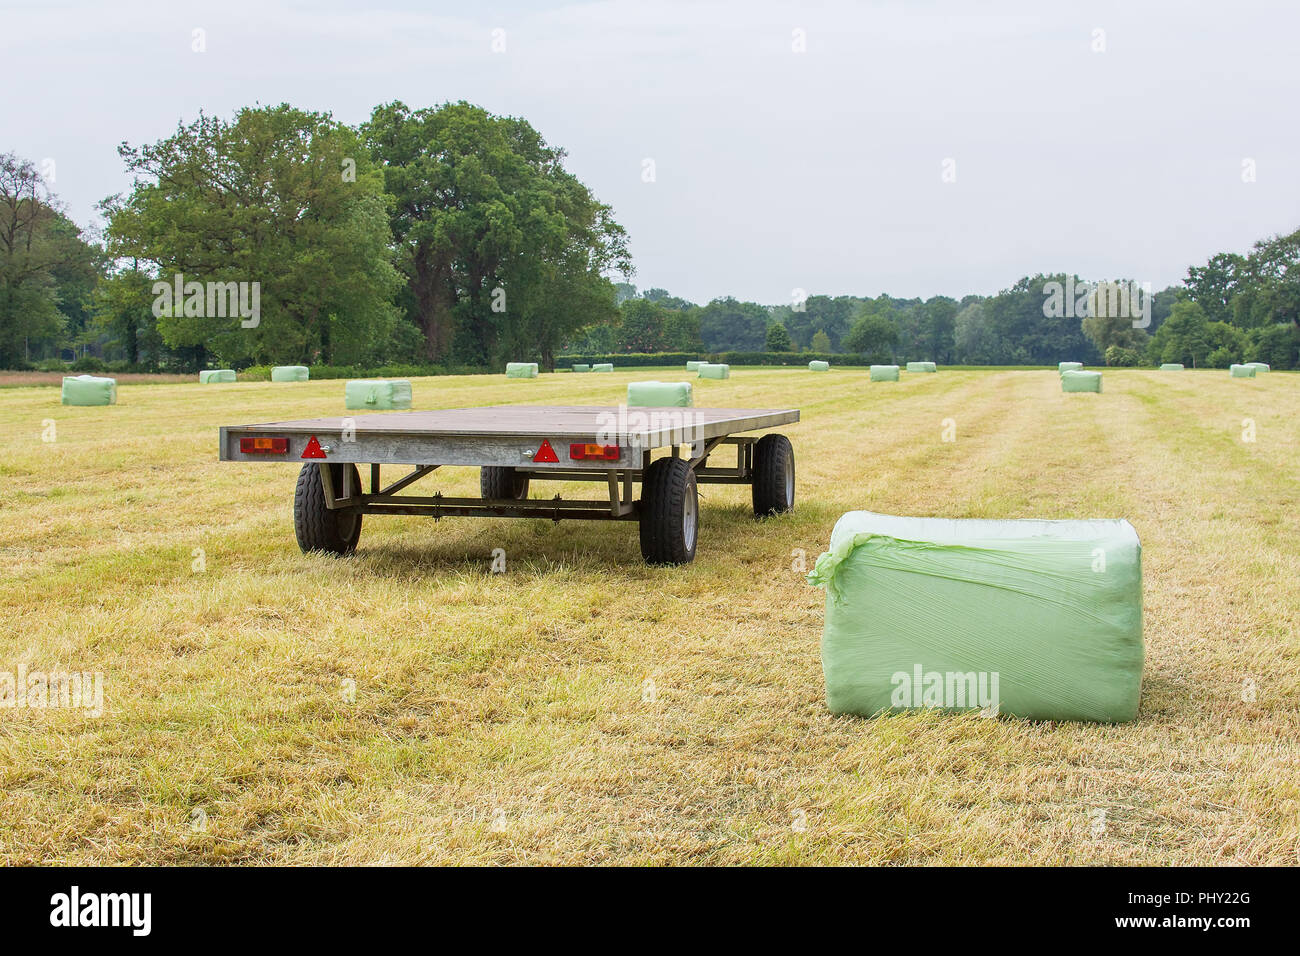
[[636, 359]]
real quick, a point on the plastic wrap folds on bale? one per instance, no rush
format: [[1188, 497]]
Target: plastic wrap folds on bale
[[212, 376], [521, 370], [1037, 619], [884, 373], [1171, 367], [290, 373], [1242, 371], [377, 393], [922, 367], [816, 365], [660, 394], [1063, 367], [1080, 381], [89, 390], [712, 370]]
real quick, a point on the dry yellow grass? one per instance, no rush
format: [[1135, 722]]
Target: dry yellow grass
[[585, 708]]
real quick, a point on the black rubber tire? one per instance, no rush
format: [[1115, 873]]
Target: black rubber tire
[[498, 481], [670, 509], [773, 476], [316, 526]]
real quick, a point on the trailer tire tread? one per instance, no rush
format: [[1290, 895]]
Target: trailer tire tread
[[773, 486], [667, 488], [502, 481], [316, 527]]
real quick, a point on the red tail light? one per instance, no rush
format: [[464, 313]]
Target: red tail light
[[593, 452], [264, 446]]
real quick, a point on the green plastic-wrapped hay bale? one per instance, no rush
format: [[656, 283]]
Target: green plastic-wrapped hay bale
[[89, 390], [922, 367], [521, 370], [211, 376], [819, 366], [1076, 380], [660, 394], [884, 373], [603, 367], [1171, 367], [1259, 366], [714, 370], [290, 373], [581, 368], [1035, 619], [377, 393], [693, 365], [1242, 371], [1063, 367]]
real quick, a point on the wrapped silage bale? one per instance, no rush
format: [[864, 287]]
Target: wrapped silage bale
[[1259, 366], [1242, 371], [582, 368], [1036, 619], [922, 367], [660, 394], [1075, 380], [714, 370], [884, 373], [89, 390], [377, 393], [521, 370], [212, 376], [818, 366], [693, 366], [1062, 367], [1171, 367], [603, 367], [290, 373]]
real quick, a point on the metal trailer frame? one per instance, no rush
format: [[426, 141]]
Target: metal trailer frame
[[511, 437]]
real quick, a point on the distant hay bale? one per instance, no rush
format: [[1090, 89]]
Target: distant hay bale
[[603, 367], [1068, 366], [818, 366], [1172, 367], [212, 376], [693, 365], [660, 394], [290, 373], [377, 393], [1077, 380], [1242, 371], [1259, 366], [89, 390], [711, 370], [922, 367], [582, 368], [521, 370], [884, 373]]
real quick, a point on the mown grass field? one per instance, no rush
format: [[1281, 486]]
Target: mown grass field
[[585, 708]]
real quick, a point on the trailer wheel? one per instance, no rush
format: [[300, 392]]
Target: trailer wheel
[[669, 512], [317, 527], [773, 476], [496, 481]]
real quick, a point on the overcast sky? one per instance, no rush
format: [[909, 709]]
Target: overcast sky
[[774, 169]]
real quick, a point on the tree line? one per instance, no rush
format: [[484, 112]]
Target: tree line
[[449, 236]]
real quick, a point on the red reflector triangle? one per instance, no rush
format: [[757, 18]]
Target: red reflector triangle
[[313, 449], [546, 452]]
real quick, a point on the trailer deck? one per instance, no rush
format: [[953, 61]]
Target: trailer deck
[[516, 445]]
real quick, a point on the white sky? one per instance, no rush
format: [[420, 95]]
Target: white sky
[[775, 170]]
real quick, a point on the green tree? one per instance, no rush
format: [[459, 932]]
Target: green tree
[[644, 327], [874, 335], [1183, 337], [778, 339], [280, 197], [821, 342]]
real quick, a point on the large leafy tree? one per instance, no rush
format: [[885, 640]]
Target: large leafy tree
[[874, 333], [503, 250], [278, 196], [47, 269]]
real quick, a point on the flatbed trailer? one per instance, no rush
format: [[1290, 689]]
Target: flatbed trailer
[[515, 446]]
